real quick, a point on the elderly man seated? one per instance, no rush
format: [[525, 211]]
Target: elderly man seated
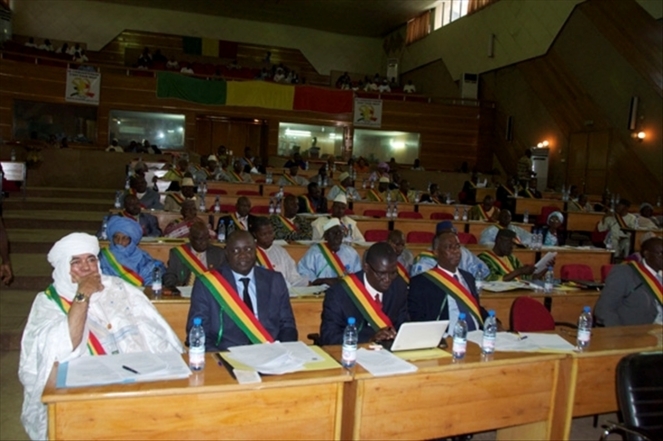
[[379, 195], [236, 174], [502, 263], [617, 225], [293, 178], [487, 237], [344, 187], [329, 261], [179, 227], [123, 258], [486, 211], [348, 225], [132, 210], [241, 219], [83, 313], [147, 196], [187, 193]]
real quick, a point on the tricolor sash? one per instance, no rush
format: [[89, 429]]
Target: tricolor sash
[[235, 176], [135, 193], [402, 271], [649, 280], [622, 223], [238, 224], [332, 259], [456, 290], [375, 195], [178, 173], [308, 204], [190, 259], [126, 274], [290, 226], [93, 344], [529, 193], [359, 295], [209, 173], [233, 305], [178, 197], [505, 265], [483, 213], [508, 190], [515, 240], [249, 162], [578, 206], [263, 259], [404, 196], [290, 179], [343, 189], [425, 255]]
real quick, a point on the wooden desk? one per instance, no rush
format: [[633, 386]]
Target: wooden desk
[[166, 217], [446, 398], [359, 207], [481, 193], [593, 371], [233, 188], [578, 221], [427, 209], [533, 206], [373, 224], [268, 189], [224, 199], [426, 225], [595, 258], [208, 405], [638, 237]]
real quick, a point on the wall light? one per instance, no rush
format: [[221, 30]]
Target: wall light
[[640, 136], [543, 144], [298, 133], [397, 145]]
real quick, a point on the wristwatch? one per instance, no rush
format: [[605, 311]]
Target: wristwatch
[[81, 298]]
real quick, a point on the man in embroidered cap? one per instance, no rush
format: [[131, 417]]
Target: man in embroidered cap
[[349, 226], [344, 187], [379, 195], [187, 193], [327, 262], [83, 313]]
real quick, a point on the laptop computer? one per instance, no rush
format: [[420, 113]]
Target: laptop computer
[[417, 335]]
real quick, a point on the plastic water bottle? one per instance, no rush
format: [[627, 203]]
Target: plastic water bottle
[[549, 281], [456, 215], [658, 202], [489, 333], [350, 338], [608, 241], [325, 182], [460, 338], [104, 229], [350, 234], [221, 233], [447, 198], [319, 181], [277, 208], [118, 203], [279, 195], [231, 228], [526, 217], [394, 212], [201, 205], [584, 328], [478, 282], [388, 211], [417, 197], [464, 214], [636, 224], [217, 205], [372, 184], [363, 184], [271, 207], [197, 345], [564, 192], [127, 184], [157, 284], [306, 165], [12, 155], [388, 196]]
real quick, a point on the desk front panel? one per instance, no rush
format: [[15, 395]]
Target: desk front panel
[[595, 259], [577, 221], [232, 189], [534, 206]]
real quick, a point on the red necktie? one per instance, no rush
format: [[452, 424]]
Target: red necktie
[[378, 301]]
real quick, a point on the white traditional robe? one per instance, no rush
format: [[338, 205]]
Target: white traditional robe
[[285, 265]]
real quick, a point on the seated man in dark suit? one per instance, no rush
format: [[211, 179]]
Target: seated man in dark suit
[[312, 202], [240, 219], [444, 291], [379, 285], [186, 262], [632, 292], [132, 210], [257, 297], [530, 191]]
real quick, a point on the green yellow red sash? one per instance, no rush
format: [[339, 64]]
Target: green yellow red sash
[[178, 173], [483, 213], [621, 221], [425, 255], [263, 259], [404, 196], [456, 290], [135, 193], [343, 189], [504, 264], [375, 195], [529, 193], [209, 173], [359, 295], [249, 162], [402, 271], [190, 259], [581, 208], [233, 305], [332, 259], [290, 226], [290, 179], [508, 190], [649, 280], [122, 271], [308, 204], [177, 197], [93, 344], [238, 224], [125, 213], [235, 176]]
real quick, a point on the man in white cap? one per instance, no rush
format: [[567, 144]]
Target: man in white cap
[[236, 174], [83, 313], [344, 187], [327, 262], [349, 226], [379, 195], [174, 200]]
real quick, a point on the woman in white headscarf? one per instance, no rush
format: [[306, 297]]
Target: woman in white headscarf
[[551, 230], [83, 313]]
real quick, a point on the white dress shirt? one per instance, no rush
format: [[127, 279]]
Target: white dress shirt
[[284, 264], [252, 289], [372, 291]]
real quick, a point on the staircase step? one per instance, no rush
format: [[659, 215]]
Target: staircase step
[[16, 306], [71, 225], [54, 219]]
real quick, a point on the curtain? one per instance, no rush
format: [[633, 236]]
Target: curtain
[[418, 27], [475, 5]]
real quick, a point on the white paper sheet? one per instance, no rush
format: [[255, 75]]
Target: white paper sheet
[[542, 264], [524, 341], [499, 286], [299, 291], [381, 363], [267, 358]]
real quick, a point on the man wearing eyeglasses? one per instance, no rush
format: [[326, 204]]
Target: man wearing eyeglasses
[[241, 303], [375, 296], [83, 313]]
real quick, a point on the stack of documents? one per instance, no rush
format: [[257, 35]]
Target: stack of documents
[[382, 362], [500, 286], [121, 368], [524, 342], [274, 358]]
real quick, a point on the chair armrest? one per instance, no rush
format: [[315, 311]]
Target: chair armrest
[[613, 427]]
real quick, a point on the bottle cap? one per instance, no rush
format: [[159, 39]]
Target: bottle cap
[[461, 316], [197, 321], [586, 309], [351, 320], [491, 313]]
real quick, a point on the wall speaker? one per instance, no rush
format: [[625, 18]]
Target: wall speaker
[[633, 114]]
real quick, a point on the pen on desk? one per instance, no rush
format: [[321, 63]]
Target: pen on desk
[[130, 370], [521, 337]]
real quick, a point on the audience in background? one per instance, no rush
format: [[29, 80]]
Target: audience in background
[[409, 87]]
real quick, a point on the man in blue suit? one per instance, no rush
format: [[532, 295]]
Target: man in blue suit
[[263, 291], [444, 291], [379, 278]]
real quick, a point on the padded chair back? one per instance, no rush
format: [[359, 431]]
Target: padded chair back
[[542, 219], [409, 215], [605, 270], [420, 237], [467, 238], [576, 271], [226, 208], [528, 315], [375, 213], [442, 216], [216, 191], [598, 237], [285, 193], [640, 393], [260, 209], [376, 235], [247, 193], [348, 212]]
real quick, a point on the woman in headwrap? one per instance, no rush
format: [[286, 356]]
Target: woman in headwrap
[[123, 258], [551, 236]]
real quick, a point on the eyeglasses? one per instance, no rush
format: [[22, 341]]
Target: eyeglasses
[[77, 262], [383, 274], [237, 251]]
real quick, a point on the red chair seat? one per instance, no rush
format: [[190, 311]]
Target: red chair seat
[[227, 208], [247, 193], [528, 315], [467, 238], [409, 215], [576, 271], [442, 216], [605, 270], [542, 219], [376, 235], [375, 213], [216, 191], [420, 237]]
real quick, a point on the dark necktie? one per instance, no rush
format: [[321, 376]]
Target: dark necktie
[[247, 297], [462, 308]]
